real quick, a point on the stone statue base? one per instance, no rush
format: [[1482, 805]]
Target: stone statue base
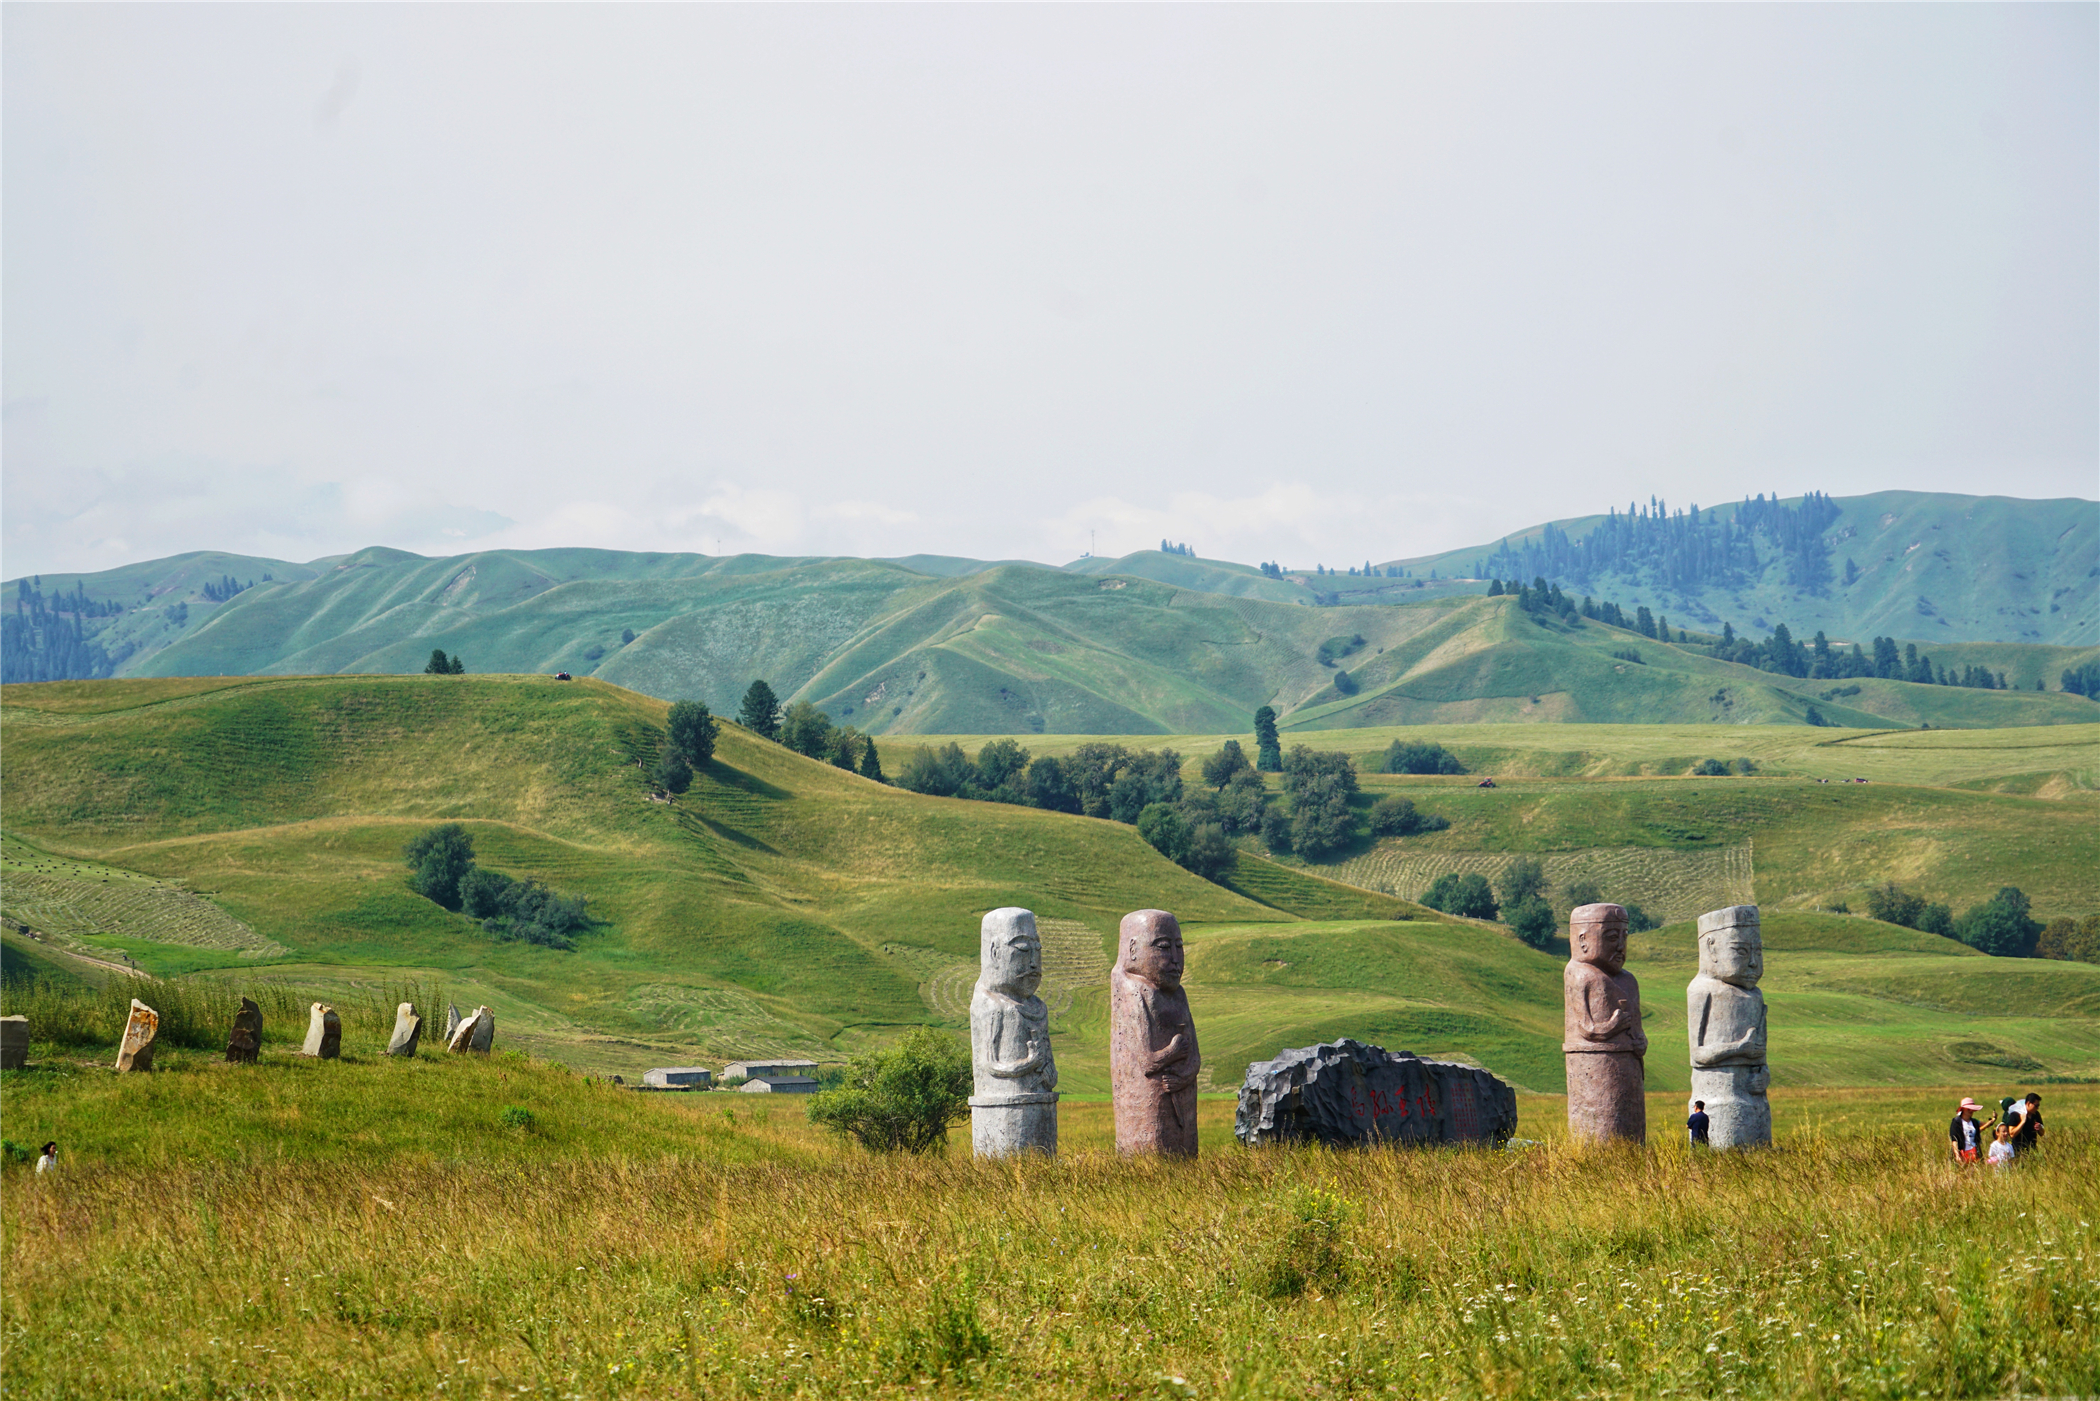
[[1738, 1113], [1605, 1099], [1003, 1125]]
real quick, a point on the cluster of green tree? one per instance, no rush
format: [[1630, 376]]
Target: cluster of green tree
[[1098, 779], [689, 744], [2077, 940], [30, 602], [1336, 648], [1819, 661], [1525, 903], [1681, 550], [901, 1098], [225, 588], [442, 665], [48, 639], [1169, 548], [1271, 569], [1319, 820], [2083, 680], [2001, 926], [1542, 598], [809, 731], [1722, 768], [1418, 757], [442, 870]]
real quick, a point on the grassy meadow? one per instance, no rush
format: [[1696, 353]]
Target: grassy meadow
[[474, 1227]]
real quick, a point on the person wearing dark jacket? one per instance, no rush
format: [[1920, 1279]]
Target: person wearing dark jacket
[[2031, 1128], [1698, 1126], [1967, 1135]]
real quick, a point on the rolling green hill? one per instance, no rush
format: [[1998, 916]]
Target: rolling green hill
[[250, 831], [1932, 566], [1008, 648]]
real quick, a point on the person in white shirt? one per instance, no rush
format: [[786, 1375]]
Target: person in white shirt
[[2002, 1148], [49, 1162]]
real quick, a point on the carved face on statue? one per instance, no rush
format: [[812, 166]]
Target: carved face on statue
[[1597, 935], [1012, 953], [1152, 947], [1731, 946]]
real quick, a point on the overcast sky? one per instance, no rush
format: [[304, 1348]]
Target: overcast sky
[[1310, 284]]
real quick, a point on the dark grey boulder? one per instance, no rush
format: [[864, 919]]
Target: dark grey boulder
[[1345, 1093]]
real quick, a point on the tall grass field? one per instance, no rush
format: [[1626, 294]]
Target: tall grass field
[[460, 1227]]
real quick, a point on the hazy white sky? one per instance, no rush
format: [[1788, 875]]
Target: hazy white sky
[[1305, 283]]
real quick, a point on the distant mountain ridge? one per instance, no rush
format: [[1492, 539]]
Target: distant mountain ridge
[[1153, 643], [1932, 566]]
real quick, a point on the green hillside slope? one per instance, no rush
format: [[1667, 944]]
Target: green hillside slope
[[785, 907], [1018, 649], [1933, 566]]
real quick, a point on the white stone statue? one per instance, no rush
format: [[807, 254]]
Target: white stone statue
[[1725, 1019], [1014, 1109]]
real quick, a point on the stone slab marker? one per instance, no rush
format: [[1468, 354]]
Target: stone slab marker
[[476, 1033], [324, 1033], [14, 1042], [408, 1030], [135, 1052], [1014, 1105], [1604, 1044], [245, 1044], [1152, 1057], [1346, 1094], [451, 1021], [1725, 1020]]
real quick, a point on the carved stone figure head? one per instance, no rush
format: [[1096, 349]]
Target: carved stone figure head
[[1012, 953], [1731, 947], [1597, 936], [1152, 947]]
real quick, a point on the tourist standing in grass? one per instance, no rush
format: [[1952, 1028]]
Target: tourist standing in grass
[[1966, 1132], [2031, 1128], [49, 1162], [2002, 1151], [1698, 1125]]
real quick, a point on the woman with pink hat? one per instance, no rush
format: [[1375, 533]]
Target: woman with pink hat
[[1966, 1133]]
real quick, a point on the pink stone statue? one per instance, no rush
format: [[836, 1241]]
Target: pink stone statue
[[1152, 1056], [1604, 1045]]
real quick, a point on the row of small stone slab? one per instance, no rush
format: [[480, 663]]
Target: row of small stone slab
[[324, 1034]]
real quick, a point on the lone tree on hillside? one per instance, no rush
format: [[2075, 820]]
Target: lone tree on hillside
[[2000, 926], [1465, 895], [1268, 750], [672, 773], [1319, 786], [442, 857], [901, 1099], [806, 730], [1219, 768], [442, 665], [693, 732], [760, 712], [870, 762]]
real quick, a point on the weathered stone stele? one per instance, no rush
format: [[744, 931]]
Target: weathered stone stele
[[1604, 1045], [14, 1042], [1725, 1021], [408, 1030], [451, 1021], [324, 1033], [135, 1052], [245, 1042], [1346, 1093], [1153, 1061], [1013, 1108], [477, 1033]]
